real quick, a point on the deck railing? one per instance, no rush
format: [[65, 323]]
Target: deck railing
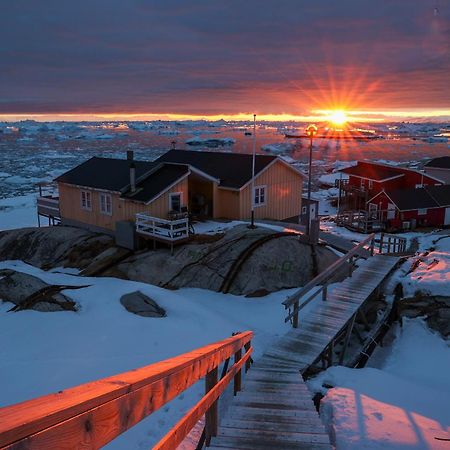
[[48, 206], [93, 414], [365, 248], [391, 244], [166, 230], [361, 220]]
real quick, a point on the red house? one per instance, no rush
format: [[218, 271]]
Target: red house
[[408, 208], [358, 209]]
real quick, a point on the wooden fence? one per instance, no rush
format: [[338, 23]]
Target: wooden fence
[[91, 415], [163, 229]]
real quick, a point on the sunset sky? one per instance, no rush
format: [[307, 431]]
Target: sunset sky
[[190, 58]]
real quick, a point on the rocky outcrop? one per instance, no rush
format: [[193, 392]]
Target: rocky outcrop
[[243, 261], [140, 304], [28, 292], [435, 308], [50, 247], [273, 264]]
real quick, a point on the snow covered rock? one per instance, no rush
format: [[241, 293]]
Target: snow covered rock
[[140, 304], [29, 292], [53, 246], [271, 264]]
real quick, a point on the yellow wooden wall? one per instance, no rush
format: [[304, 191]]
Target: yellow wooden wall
[[226, 203], [70, 205], [283, 194]]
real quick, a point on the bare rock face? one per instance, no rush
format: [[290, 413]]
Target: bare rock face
[[243, 262], [140, 304], [28, 292], [435, 308], [49, 247]]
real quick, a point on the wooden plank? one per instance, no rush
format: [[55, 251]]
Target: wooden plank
[[101, 399], [282, 413], [302, 427], [245, 443], [288, 436]]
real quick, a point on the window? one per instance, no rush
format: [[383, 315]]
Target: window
[[303, 209], [422, 212], [419, 186], [370, 184], [175, 202], [86, 200], [106, 204], [259, 196]]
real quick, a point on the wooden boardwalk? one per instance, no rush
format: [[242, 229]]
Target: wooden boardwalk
[[275, 410]]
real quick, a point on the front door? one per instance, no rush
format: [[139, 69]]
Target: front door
[[447, 216], [391, 211], [373, 210]]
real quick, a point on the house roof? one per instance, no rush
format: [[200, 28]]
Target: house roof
[[233, 170], [372, 171], [114, 175], [160, 180], [442, 162], [104, 173], [441, 194], [419, 198]]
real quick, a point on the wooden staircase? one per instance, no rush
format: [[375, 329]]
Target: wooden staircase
[[273, 411]]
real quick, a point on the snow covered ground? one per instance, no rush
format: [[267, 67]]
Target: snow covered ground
[[45, 352], [18, 212], [400, 402], [431, 276]]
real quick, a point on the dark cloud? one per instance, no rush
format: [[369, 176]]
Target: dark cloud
[[203, 56]]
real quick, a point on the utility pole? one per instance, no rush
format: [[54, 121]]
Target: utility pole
[[252, 223]]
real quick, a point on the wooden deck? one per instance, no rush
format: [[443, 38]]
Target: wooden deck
[[275, 409]]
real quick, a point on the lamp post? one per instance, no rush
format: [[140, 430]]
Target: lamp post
[[311, 131]]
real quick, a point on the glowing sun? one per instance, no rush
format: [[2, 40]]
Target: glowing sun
[[338, 117]]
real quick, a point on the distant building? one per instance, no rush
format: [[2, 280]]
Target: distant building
[[102, 193], [364, 198], [439, 168], [408, 208]]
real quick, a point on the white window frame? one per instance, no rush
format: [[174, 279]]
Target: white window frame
[[86, 202], [103, 198], [422, 211], [174, 194], [255, 196]]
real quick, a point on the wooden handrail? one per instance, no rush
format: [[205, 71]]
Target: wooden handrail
[[92, 414], [324, 276]]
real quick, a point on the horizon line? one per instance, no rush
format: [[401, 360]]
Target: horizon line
[[317, 115]]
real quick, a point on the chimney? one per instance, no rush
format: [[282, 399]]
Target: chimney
[[130, 158]]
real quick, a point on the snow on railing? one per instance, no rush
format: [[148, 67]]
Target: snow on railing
[[168, 230]]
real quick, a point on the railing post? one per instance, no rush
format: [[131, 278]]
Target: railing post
[[372, 246], [247, 347], [324, 292], [238, 376], [295, 317], [389, 245], [381, 242], [211, 416]]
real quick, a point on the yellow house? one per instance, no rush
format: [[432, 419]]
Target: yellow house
[[103, 192]]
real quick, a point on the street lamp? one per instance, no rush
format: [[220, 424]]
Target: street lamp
[[311, 131]]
